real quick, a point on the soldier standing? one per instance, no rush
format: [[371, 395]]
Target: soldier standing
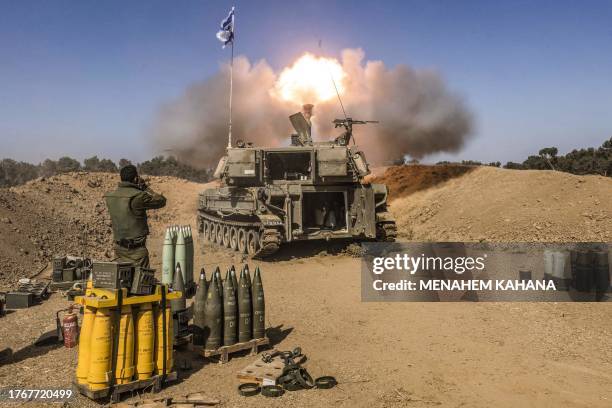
[[128, 206]]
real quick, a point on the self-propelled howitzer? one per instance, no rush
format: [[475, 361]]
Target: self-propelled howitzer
[[306, 191]]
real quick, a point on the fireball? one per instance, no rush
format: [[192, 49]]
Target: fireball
[[309, 80]]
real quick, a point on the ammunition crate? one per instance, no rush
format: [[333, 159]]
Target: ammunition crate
[[180, 325], [19, 300], [59, 263], [143, 282], [58, 275], [58, 269], [112, 275], [68, 274]]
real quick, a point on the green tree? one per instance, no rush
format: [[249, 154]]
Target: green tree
[[48, 168], [123, 163], [67, 164]]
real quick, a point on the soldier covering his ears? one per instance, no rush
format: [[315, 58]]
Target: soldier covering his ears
[[128, 206]]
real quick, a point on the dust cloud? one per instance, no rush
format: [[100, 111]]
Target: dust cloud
[[418, 114]]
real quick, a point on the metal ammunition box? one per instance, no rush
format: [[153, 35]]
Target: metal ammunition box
[[58, 275], [68, 274], [180, 325], [112, 275], [143, 282], [58, 269], [19, 300], [59, 263]]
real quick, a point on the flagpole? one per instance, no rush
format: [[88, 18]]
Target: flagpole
[[229, 138]]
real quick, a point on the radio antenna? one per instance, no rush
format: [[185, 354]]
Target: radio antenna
[[333, 81]]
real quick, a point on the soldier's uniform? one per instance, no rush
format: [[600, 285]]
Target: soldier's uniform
[[128, 206]]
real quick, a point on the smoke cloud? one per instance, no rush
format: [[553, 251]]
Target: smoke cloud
[[418, 114]]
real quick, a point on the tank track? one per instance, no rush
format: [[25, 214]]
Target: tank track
[[268, 239], [386, 231]]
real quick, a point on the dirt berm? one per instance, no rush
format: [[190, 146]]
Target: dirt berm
[[463, 203], [383, 354]]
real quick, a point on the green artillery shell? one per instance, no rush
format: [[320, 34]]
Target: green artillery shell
[[230, 309], [180, 253], [188, 269], [234, 280], [259, 306], [178, 286], [168, 258], [199, 303], [219, 281], [245, 327], [213, 310]]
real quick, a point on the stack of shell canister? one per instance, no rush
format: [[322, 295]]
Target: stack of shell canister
[[177, 252], [229, 311], [133, 333]]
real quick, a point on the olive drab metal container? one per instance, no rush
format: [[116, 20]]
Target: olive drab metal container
[[259, 306], [82, 370], [245, 326], [213, 327], [124, 368], [168, 258], [230, 312], [145, 342], [178, 286], [199, 313], [305, 191], [101, 350]]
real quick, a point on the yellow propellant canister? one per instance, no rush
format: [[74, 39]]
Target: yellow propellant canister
[[101, 350], [89, 285], [159, 348], [85, 344], [124, 370], [145, 341]]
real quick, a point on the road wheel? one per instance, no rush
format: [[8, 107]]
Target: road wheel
[[233, 238], [219, 234], [226, 236], [242, 241], [213, 232], [253, 242], [206, 230]]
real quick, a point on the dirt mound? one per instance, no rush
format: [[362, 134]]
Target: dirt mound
[[504, 205], [66, 214], [405, 180]]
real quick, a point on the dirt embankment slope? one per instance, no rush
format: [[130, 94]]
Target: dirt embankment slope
[[66, 215], [485, 203]]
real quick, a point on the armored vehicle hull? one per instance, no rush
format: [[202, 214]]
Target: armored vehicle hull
[[307, 191]]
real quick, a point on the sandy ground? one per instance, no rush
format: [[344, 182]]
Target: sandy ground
[[383, 354]]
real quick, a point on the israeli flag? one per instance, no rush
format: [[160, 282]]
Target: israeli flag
[[226, 34]]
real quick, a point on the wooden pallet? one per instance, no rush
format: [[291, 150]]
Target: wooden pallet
[[262, 373], [224, 352], [115, 392]]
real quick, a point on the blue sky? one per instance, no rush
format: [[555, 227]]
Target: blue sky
[[87, 77]]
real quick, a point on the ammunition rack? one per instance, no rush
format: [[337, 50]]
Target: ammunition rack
[[103, 298]]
